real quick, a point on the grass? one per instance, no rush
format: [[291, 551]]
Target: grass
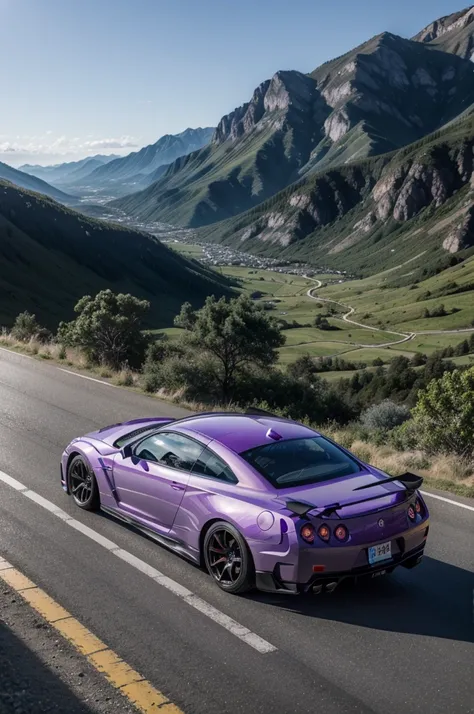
[[188, 249], [401, 307], [440, 471], [444, 472], [371, 297]]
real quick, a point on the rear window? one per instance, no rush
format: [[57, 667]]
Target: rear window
[[301, 461]]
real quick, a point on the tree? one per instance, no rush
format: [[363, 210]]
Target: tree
[[418, 359], [236, 334], [444, 413], [304, 369], [108, 329], [186, 318]]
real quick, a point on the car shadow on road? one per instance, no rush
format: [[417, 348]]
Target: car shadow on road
[[434, 599], [28, 685]]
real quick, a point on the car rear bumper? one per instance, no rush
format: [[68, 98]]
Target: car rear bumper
[[329, 579]]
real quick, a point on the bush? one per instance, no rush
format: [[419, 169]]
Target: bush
[[385, 416], [26, 327], [405, 437], [444, 414]]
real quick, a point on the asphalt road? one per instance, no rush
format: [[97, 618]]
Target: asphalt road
[[405, 641]]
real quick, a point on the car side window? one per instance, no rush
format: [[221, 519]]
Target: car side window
[[173, 450], [210, 465]]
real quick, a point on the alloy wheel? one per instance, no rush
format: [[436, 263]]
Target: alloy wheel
[[224, 557], [81, 482]]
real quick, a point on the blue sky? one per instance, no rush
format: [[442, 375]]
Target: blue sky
[[88, 76]]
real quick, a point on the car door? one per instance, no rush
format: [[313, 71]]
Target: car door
[[150, 484]]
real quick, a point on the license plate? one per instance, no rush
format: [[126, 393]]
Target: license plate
[[377, 553]]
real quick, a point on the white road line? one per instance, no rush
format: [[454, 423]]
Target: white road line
[[61, 369], [20, 354], [83, 376], [228, 623], [447, 500]]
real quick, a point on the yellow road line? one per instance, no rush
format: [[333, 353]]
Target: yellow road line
[[126, 680]]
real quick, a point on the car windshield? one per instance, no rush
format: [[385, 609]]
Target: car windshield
[[301, 461]]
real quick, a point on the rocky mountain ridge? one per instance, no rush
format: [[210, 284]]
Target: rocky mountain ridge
[[343, 213], [383, 95], [452, 33]]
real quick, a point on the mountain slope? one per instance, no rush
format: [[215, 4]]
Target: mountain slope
[[51, 256], [170, 147], [60, 172], [452, 33], [31, 183], [383, 95], [413, 206]]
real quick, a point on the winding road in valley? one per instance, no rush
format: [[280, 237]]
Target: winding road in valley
[[366, 649], [405, 336]]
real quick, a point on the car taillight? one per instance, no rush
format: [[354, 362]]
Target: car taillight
[[307, 533], [411, 513], [418, 507], [341, 533], [324, 533]]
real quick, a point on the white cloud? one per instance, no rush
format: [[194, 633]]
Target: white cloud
[[125, 142], [60, 145]]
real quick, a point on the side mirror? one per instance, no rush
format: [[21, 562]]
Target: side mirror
[[127, 451]]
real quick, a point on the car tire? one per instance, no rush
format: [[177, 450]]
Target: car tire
[[82, 484], [228, 558]]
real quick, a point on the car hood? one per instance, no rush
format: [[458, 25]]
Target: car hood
[[343, 491], [110, 434]]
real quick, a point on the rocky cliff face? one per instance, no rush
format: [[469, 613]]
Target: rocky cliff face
[[289, 100], [448, 23], [344, 209], [453, 33]]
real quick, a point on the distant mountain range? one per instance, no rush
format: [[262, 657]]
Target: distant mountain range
[[32, 183], [72, 169], [51, 256], [317, 132], [139, 168]]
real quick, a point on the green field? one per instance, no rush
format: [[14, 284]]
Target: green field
[[188, 249], [382, 302], [378, 302]]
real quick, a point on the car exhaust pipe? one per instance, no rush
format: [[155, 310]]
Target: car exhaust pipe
[[317, 589], [330, 587]]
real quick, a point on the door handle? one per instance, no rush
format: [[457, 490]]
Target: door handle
[[177, 486]]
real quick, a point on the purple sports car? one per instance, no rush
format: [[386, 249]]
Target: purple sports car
[[256, 499]]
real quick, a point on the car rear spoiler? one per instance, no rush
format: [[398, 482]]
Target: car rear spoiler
[[409, 481]]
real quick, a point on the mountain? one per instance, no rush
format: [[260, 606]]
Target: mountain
[[23, 180], [384, 94], [59, 172], [123, 171], [51, 256], [413, 208], [452, 33]]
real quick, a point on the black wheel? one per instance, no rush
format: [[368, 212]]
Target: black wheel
[[83, 485], [228, 558]]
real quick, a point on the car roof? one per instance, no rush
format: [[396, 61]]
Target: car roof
[[240, 432]]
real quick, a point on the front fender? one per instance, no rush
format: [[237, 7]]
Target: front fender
[[98, 455]]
